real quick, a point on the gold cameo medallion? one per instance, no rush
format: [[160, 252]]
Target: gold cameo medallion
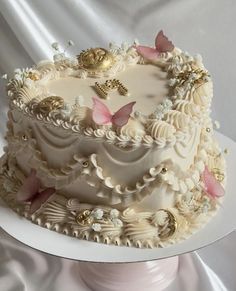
[[84, 218], [96, 59], [49, 104]]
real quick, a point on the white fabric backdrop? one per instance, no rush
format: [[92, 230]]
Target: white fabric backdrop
[[27, 28]]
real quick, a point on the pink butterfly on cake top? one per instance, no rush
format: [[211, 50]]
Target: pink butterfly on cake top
[[102, 115], [162, 45], [212, 187], [30, 191]]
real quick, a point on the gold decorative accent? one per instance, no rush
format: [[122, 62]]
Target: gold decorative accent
[[84, 218], [172, 225], [24, 137], [49, 104], [200, 76], [219, 175], [208, 129], [85, 164], [164, 170], [114, 84], [96, 59], [33, 76]]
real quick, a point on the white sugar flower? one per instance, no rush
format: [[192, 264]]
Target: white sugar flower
[[18, 77], [98, 213], [205, 207], [198, 58], [55, 45], [114, 213], [9, 93], [17, 71], [70, 43], [167, 104], [172, 82], [72, 61], [124, 46], [96, 227], [180, 91], [59, 57], [4, 76], [83, 74], [117, 222], [216, 124]]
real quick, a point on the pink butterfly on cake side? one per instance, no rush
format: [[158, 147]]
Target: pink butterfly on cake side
[[30, 191], [162, 45], [212, 187], [102, 115]]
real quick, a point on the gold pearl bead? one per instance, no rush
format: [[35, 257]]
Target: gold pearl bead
[[24, 137], [164, 170], [85, 164], [208, 129]]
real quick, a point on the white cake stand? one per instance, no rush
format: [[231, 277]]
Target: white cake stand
[[153, 269]]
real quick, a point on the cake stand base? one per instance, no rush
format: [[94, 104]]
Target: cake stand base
[[149, 276]]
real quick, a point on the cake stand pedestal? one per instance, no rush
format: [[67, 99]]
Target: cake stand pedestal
[[149, 276], [104, 267]]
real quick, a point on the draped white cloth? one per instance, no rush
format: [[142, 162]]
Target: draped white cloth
[[27, 29]]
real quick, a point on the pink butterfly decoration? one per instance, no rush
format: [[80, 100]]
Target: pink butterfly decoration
[[212, 187], [29, 191], [102, 115], [162, 45]]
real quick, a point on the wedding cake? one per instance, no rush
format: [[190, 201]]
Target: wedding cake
[[114, 145]]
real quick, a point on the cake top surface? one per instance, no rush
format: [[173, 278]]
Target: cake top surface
[[144, 95]]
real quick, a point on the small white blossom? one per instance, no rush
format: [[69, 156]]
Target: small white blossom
[[17, 71], [114, 213], [96, 227], [55, 45], [172, 82], [216, 124], [205, 207], [198, 58], [9, 93], [4, 76], [180, 91], [98, 213], [18, 77], [117, 222], [124, 46], [70, 43], [59, 57], [193, 76], [111, 45], [83, 74], [72, 61], [137, 113]]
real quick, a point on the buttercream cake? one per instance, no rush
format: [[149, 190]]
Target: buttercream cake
[[114, 145]]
